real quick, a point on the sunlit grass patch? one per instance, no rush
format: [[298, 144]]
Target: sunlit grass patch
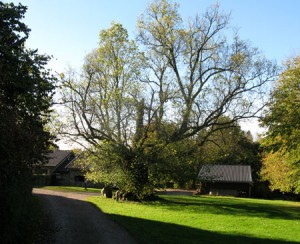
[[194, 219], [72, 189]]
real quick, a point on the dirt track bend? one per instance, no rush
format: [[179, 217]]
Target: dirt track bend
[[77, 221]]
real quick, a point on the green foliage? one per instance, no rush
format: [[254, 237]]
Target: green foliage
[[180, 162], [283, 114], [135, 104], [230, 145], [108, 166], [115, 165], [197, 219], [278, 171], [26, 90], [101, 104], [176, 163], [102, 108], [282, 143]]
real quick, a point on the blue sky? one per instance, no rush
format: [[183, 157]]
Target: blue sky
[[68, 29]]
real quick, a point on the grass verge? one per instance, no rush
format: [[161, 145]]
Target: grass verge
[[202, 219], [71, 189]]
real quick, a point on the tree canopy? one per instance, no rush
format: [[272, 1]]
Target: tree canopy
[[26, 90], [186, 75], [282, 143]]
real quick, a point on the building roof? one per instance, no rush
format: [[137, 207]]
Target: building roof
[[56, 157], [226, 173], [61, 161]]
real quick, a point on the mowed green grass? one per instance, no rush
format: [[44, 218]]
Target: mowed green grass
[[204, 219], [72, 189]]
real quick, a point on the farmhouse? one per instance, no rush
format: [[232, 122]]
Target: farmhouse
[[225, 180], [60, 170]]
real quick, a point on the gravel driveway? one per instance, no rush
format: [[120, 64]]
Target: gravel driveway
[[78, 221]]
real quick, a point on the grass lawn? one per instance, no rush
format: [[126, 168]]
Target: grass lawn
[[71, 189], [203, 219]]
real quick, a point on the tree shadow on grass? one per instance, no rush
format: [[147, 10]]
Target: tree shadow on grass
[[231, 206], [148, 231]]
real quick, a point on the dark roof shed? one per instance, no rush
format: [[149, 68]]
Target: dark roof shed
[[225, 173]]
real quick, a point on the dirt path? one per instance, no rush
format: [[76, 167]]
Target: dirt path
[[78, 221]]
